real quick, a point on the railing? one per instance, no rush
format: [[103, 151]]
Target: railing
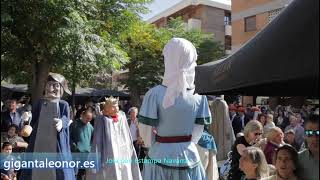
[[227, 22]]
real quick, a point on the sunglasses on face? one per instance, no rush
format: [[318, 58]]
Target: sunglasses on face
[[310, 133]]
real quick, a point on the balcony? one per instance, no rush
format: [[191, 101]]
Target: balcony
[[228, 30]]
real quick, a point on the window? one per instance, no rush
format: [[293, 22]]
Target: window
[[194, 23], [250, 24], [227, 18]]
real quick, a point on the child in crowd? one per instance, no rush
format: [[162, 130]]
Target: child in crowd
[[7, 174]]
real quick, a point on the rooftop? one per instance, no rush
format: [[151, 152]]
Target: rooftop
[[173, 8]]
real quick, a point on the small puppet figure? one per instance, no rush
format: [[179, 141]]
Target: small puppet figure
[[50, 134], [112, 140]]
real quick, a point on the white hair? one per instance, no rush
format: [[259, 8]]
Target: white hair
[[133, 109]]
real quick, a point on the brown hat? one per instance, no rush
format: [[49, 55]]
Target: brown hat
[[62, 80]]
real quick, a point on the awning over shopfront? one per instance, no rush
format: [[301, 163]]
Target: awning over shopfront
[[282, 59]]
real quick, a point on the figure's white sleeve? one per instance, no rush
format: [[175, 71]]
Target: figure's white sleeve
[[197, 133], [146, 134], [148, 117], [203, 117]]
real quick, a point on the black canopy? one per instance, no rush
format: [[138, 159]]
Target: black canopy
[[281, 60]]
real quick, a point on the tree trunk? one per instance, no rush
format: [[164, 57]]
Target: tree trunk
[[135, 97], [40, 75], [73, 102]]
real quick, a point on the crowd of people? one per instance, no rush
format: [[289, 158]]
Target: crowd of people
[[173, 129], [266, 145], [282, 143], [15, 115]]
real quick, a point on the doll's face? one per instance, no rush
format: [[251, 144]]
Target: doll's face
[[110, 110], [53, 90]]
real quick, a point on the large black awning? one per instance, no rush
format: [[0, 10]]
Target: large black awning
[[281, 60]]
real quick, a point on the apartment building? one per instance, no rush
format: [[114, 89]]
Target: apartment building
[[211, 16], [251, 16]]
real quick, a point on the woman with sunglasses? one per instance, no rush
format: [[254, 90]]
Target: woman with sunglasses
[[252, 133]]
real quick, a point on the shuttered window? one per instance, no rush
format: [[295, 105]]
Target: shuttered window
[[250, 24]]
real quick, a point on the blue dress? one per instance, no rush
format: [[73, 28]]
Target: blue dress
[[174, 160]]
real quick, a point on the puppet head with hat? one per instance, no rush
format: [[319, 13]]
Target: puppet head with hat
[[55, 86], [111, 106]]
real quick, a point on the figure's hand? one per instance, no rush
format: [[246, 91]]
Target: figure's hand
[[70, 122], [154, 130], [58, 124], [74, 148], [25, 116], [139, 140]]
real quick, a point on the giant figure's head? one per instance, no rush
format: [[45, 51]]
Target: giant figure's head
[[55, 86], [180, 61], [111, 106]]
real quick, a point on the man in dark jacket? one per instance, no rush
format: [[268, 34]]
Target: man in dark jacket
[[11, 116], [240, 121]]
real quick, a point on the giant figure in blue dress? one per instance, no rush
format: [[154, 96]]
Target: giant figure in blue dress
[[175, 112], [50, 123]]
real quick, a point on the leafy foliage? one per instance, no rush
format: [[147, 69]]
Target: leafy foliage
[[75, 38], [86, 40], [144, 44]]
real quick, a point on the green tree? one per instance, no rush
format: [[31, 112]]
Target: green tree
[[144, 44], [75, 38]]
